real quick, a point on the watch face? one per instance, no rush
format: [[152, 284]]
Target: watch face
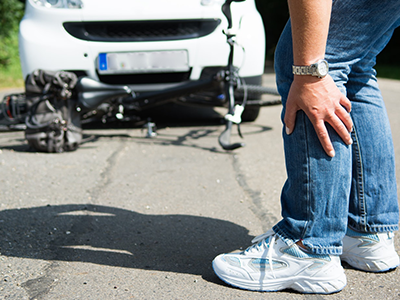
[[322, 68]]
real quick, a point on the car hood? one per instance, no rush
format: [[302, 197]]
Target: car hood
[[147, 10]]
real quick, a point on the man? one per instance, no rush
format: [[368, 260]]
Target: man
[[340, 197]]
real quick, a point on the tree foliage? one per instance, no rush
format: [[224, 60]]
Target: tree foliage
[[11, 12], [275, 14]]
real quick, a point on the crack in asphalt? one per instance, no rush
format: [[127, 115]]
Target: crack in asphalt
[[38, 287], [106, 176], [267, 218]]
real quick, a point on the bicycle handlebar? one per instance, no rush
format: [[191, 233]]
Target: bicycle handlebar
[[90, 93], [226, 9]]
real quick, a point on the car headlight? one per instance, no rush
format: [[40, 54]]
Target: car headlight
[[59, 3], [212, 2]]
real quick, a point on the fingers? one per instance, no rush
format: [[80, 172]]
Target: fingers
[[324, 139], [320, 128], [323, 103], [344, 115], [345, 102], [340, 121], [290, 118], [343, 125]]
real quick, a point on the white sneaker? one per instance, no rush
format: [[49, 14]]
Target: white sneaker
[[372, 252], [272, 265]]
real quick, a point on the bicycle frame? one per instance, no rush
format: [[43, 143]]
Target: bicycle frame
[[90, 94]]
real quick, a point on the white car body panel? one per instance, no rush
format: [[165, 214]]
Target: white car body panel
[[45, 44]]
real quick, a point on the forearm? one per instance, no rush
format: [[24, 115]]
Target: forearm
[[310, 25], [319, 98]]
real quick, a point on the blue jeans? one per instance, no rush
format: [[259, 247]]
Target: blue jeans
[[322, 196]]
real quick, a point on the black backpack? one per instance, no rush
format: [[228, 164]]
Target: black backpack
[[52, 122]]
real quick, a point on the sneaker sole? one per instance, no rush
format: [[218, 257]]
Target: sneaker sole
[[306, 285], [372, 265]]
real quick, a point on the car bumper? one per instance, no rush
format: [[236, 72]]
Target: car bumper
[[48, 45]]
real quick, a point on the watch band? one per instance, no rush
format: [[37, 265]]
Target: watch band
[[319, 69], [303, 70]]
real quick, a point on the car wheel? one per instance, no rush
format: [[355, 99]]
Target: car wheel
[[250, 113]]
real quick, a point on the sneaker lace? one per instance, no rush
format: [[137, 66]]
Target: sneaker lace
[[265, 240]]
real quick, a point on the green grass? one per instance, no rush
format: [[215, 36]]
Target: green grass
[[11, 75], [388, 71]]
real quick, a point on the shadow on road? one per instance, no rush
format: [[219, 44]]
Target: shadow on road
[[117, 237], [173, 116]]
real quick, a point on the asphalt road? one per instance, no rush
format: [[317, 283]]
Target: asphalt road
[[127, 217]]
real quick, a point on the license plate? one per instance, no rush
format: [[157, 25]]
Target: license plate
[[143, 62]]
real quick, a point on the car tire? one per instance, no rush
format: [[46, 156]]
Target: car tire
[[250, 113]]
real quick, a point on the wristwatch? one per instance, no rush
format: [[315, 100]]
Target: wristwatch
[[319, 69]]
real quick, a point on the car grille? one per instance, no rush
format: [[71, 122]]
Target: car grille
[[151, 78], [141, 31]]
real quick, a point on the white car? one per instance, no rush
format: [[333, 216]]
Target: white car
[[146, 44]]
